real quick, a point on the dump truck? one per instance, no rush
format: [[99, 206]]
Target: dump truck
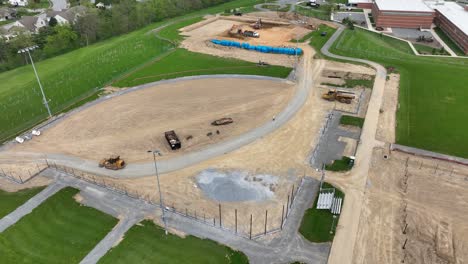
[[113, 163], [340, 96], [252, 34], [173, 140], [222, 121]]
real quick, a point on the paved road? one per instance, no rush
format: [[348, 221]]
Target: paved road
[[27, 207], [354, 185], [304, 85], [59, 5]]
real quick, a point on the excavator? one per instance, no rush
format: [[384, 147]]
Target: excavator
[[112, 163]]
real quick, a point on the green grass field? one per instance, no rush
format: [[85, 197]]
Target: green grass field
[[60, 230], [172, 32], [449, 42], [316, 224], [342, 164], [9, 201], [432, 97], [317, 41], [169, 67], [74, 78], [147, 243], [352, 121]]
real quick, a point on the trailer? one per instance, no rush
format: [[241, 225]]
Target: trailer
[[173, 140]]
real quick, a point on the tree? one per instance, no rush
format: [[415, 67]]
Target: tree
[[64, 39], [87, 26], [53, 22]]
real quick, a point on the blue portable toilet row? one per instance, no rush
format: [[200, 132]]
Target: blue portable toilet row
[[259, 48]]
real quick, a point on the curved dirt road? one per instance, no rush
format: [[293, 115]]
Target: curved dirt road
[[355, 184], [304, 85]]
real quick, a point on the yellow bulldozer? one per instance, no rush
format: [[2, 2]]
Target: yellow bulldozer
[[340, 96], [113, 163]]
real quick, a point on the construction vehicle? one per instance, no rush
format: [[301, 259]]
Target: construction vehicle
[[113, 163], [340, 96], [173, 140], [258, 24], [222, 121], [252, 34]]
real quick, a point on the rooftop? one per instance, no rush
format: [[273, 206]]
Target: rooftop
[[403, 5], [359, 1], [453, 12]]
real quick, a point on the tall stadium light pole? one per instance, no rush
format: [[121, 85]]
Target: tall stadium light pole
[[157, 152], [27, 50]]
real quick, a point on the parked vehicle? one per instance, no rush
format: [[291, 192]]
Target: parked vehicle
[[173, 140]]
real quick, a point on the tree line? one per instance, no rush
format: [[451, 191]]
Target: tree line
[[95, 25]]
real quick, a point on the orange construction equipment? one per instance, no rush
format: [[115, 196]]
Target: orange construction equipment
[[340, 96], [113, 163]]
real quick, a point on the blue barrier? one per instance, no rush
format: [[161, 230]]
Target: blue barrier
[[259, 48]]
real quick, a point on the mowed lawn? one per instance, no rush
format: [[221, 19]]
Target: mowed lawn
[[182, 62], [60, 230], [76, 77], [433, 92], [9, 201], [147, 243]]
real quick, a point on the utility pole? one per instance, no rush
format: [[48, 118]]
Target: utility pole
[[161, 204], [44, 99]]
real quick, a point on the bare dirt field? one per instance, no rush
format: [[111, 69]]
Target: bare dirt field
[[420, 201], [387, 118], [130, 124], [199, 37]]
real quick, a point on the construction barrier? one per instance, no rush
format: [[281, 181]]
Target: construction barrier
[[260, 48]]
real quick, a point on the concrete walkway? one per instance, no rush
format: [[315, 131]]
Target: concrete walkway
[[111, 239], [27, 207]]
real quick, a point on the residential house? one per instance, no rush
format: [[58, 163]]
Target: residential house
[[18, 2], [7, 14], [68, 16], [31, 24]]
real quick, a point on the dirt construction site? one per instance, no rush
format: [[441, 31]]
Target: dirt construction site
[[401, 208]]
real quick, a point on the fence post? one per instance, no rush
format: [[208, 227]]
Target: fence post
[[404, 244], [292, 195], [220, 223], [266, 219], [38, 169], [21, 179], [214, 221], [282, 217], [3, 172], [47, 163], [287, 207], [250, 233], [235, 216]]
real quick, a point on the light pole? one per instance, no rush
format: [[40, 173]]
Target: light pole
[[161, 204], [27, 50]]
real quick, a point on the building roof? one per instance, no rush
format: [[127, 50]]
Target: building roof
[[29, 22], [403, 5], [359, 1], [453, 12]]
